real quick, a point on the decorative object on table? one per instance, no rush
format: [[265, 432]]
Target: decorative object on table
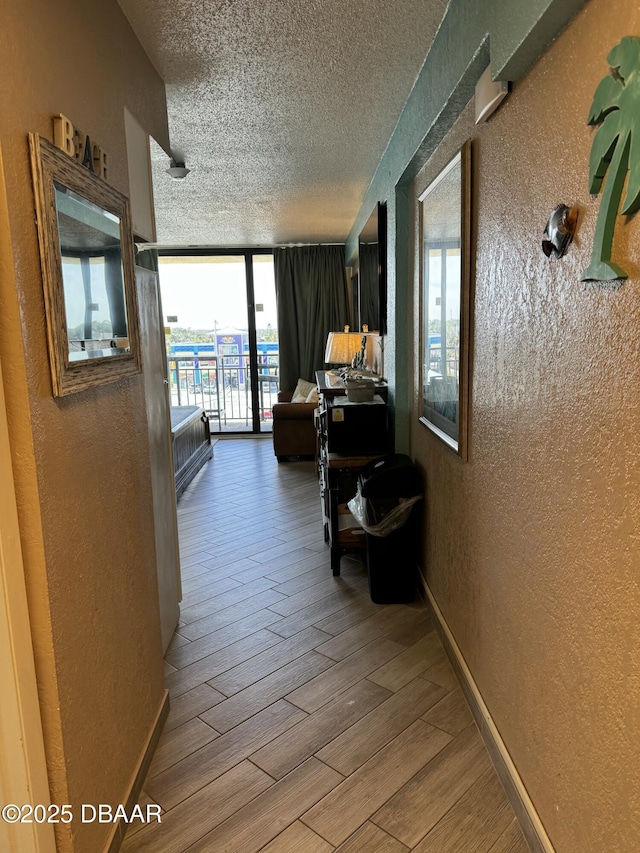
[[616, 108], [332, 385], [359, 361], [445, 310], [360, 390], [559, 231]]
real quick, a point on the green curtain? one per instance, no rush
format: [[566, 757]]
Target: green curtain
[[311, 295]]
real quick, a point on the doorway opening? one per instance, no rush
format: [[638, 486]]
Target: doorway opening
[[221, 332]]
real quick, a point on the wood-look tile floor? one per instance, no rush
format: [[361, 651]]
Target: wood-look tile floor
[[304, 718]]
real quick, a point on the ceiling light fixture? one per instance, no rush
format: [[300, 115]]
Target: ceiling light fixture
[[177, 171]]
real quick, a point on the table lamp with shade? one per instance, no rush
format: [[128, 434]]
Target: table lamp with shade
[[351, 351]]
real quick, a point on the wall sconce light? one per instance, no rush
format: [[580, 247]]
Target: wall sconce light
[[177, 171]]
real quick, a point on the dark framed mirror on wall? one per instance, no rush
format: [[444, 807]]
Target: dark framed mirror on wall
[[370, 301]]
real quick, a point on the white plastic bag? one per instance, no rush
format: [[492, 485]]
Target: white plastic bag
[[393, 520]]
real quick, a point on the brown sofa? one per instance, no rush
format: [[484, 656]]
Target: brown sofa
[[294, 430]]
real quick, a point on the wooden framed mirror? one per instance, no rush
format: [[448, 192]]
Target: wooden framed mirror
[[88, 274]]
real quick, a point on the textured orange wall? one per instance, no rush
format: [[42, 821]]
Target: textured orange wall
[[82, 463], [532, 548]]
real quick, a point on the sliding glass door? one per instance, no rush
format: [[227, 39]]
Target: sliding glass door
[[222, 335]]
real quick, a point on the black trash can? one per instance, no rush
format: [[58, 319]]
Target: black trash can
[[391, 526]]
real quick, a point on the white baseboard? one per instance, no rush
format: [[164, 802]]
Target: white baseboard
[[530, 823]]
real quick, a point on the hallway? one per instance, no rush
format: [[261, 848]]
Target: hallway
[[304, 718]]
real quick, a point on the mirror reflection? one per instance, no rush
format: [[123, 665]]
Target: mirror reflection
[[441, 302], [370, 306], [445, 304], [93, 277], [369, 273]]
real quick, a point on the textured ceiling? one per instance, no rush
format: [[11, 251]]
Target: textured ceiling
[[281, 109]]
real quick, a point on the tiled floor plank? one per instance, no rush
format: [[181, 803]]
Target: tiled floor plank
[[193, 772], [270, 813], [196, 816], [412, 662], [353, 802], [232, 614], [225, 636], [298, 838], [407, 630], [298, 583], [358, 743], [511, 840], [441, 673], [191, 704], [316, 592], [347, 642], [409, 814], [175, 743], [248, 702], [474, 823], [303, 740], [371, 839], [244, 674], [293, 564], [337, 723], [239, 592], [268, 554], [451, 714], [351, 614], [176, 641], [251, 572], [327, 606], [208, 667], [215, 587], [252, 549], [319, 690]]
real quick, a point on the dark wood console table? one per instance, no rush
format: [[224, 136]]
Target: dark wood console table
[[332, 385], [349, 436]]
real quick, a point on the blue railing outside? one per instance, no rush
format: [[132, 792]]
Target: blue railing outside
[[222, 386]]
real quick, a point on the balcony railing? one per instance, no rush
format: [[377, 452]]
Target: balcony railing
[[222, 386]]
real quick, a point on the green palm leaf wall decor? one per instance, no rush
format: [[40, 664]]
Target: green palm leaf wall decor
[[615, 150]]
